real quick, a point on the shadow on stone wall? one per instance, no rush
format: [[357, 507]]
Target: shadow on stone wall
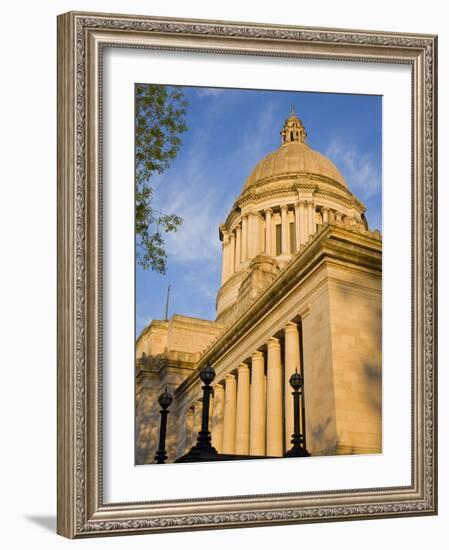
[[322, 434], [372, 373], [147, 428]]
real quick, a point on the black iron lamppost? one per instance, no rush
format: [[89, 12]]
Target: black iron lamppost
[[203, 449], [165, 400], [296, 382], [204, 439]]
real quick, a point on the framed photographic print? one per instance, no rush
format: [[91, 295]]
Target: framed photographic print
[[247, 274]]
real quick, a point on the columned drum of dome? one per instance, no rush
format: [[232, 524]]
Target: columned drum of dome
[[284, 201]]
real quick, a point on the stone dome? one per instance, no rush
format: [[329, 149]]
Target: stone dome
[[293, 158], [288, 197]]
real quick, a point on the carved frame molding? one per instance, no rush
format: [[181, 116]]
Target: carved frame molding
[[81, 38]]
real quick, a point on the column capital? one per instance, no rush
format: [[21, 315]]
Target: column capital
[[256, 354], [230, 378], [242, 367], [268, 210], [291, 327], [284, 207], [219, 388], [273, 342]]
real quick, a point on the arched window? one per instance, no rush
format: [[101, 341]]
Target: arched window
[[291, 136]]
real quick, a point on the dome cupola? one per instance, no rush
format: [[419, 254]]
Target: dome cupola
[[293, 130]]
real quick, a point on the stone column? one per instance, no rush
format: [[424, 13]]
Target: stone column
[[304, 233], [325, 212], [244, 238], [238, 247], [232, 255], [257, 229], [292, 362], [217, 428], [268, 244], [253, 235], [225, 258], [188, 430], [302, 224], [284, 229], [297, 227], [311, 218], [228, 446], [242, 415], [274, 399], [257, 406]]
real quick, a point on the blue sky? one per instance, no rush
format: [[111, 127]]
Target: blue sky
[[229, 131]]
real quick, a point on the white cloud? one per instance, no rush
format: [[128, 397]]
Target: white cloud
[[192, 192], [360, 171], [191, 195], [258, 138], [209, 92], [195, 196], [197, 238]]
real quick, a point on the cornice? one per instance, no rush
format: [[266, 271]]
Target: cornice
[[342, 195], [300, 180]]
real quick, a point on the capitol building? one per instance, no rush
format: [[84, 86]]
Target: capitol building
[[301, 290]]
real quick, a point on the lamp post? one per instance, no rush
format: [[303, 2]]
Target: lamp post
[[296, 382], [165, 400], [203, 449], [203, 441]]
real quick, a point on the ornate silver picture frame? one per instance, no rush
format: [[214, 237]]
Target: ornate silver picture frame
[[83, 510]]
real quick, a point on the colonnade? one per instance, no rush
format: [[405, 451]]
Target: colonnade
[[256, 233], [252, 406]]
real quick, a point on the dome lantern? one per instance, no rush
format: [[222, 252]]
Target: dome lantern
[[293, 130]]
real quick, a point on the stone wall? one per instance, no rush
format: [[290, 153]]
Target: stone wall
[[343, 363]]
